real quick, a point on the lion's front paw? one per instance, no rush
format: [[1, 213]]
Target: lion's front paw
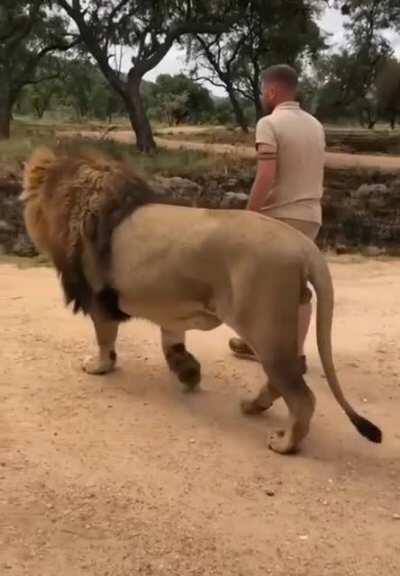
[[101, 364], [282, 443]]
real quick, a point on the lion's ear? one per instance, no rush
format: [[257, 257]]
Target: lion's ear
[[89, 226]]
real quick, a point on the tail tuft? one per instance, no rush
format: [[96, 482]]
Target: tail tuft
[[367, 429]]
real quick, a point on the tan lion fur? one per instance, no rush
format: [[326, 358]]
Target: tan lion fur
[[120, 254]]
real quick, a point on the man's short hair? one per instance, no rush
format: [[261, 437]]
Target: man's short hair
[[283, 74]]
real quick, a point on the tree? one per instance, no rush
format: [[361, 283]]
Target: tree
[[350, 76], [388, 91], [29, 32], [370, 51], [178, 99], [347, 82], [149, 28], [235, 60], [391, 8]]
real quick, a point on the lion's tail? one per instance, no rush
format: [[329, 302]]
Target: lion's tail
[[320, 278], [36, 171]]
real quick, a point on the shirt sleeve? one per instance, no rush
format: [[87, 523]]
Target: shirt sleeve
[[265, 136]]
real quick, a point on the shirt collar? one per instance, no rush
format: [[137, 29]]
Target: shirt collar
[[289, 105]]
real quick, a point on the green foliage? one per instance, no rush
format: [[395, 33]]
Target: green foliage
[[86, 91], [349, 80], [29, 33], [177, 99], [149, 29], [235, 60], [79, 90]]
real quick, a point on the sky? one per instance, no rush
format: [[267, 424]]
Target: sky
[[174, 61]]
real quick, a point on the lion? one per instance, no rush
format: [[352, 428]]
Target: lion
[[122, 254]]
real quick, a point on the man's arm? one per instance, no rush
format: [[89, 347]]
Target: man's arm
[[265, 176]]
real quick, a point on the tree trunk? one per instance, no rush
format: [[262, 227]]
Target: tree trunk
[[5, 116], [258, 107], [237, 110], [137, 115]]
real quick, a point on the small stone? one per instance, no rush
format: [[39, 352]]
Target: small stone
[[373, 251], [234, 200], [342, 249], [396, 516], [270, 493], [303, 537]]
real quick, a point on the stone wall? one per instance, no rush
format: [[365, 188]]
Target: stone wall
[[361, 209], [13, 236]]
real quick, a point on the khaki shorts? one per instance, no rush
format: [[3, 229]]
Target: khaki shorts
[[309, 229]]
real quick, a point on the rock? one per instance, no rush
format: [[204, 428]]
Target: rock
[[178, 190], [5, 227], [396, 516], [234, 200], [23, 247], [270, 493], [373, 251], [342, 249], [370, 190], [232, 183]]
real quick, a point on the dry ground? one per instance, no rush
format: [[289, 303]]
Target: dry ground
[[334, 160], [125, 475]]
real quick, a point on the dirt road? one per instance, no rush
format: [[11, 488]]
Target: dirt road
[[338, 160], [124, 475]]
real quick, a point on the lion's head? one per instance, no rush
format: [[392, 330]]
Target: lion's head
[[72, 204]]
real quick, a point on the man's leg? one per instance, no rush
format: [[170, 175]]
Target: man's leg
[[239, 346], [309, 229]]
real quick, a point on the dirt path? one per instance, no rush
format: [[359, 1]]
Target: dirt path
[[124, 475], [336, 160]]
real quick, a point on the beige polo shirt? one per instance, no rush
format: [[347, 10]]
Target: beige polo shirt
[[297, 140]]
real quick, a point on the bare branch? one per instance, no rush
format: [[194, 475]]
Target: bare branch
[[210, 80], [26, 76]]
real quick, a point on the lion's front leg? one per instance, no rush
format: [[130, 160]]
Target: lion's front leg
[[179, 360], [106, 335]]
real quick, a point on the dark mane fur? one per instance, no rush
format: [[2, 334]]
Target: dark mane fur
[[83, 196]]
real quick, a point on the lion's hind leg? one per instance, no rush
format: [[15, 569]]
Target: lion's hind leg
[[285, 376], [106, 334], [180, 361], [273, 336]]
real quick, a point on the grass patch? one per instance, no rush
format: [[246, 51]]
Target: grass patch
[[234, 137], [183, 163]]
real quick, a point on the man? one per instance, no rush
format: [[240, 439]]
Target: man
[[290, 146]]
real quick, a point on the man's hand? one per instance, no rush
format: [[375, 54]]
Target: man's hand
[[265, 176]]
